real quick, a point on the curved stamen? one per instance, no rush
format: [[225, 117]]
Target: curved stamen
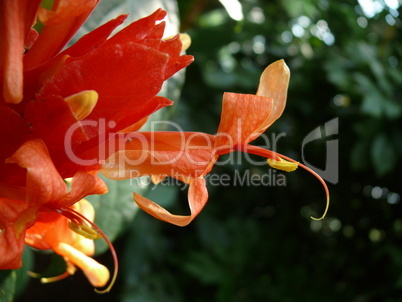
[[78, 218], [278, 157], [70, 270], [319, 178], [258, 151]]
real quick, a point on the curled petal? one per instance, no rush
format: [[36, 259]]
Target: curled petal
[[14, 247], [15, 218], [274, 84], [83, 184], [197, 196], [242, 118], [44, 183]]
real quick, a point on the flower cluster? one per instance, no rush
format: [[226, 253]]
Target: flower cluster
[[48, 94], [45, 92]]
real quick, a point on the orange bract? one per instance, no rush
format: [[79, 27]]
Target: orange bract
[[45, 193], [189, 156]]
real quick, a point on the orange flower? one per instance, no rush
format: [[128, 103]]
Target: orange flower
[[44, 198], [75, 248], [190, 156]]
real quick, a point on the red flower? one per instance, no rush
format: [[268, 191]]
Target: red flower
[[96, 87], [57, 106], [189, 156]]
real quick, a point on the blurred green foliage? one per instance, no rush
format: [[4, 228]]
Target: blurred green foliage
[[258, 243]]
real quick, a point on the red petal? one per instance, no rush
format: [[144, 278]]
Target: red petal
[[93, 39], [82, 185], [13, 132], [44, 183], [125, 76], [31, 38], [12, 192], [12, 249], [11, 236], [53, 122], [136, 126], [64, 10], [16, 17], [141, 29], [173, 47], [54, 36], [89, 154]]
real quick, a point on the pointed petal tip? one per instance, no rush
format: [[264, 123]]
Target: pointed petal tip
[[160, 213], [279, 66]]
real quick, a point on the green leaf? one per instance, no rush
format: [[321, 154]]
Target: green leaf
[[359, 158], [375, 103], [22, 273], [383, 154], [8, 281]]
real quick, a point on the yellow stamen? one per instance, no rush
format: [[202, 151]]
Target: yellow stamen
[[82, 103], [69, 271], [62, 276], [321, 181], [185, 41], [96, 273], [283, 165], [84, 230], [76, 216]]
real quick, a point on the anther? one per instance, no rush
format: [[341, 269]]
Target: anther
[[82, 103]]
